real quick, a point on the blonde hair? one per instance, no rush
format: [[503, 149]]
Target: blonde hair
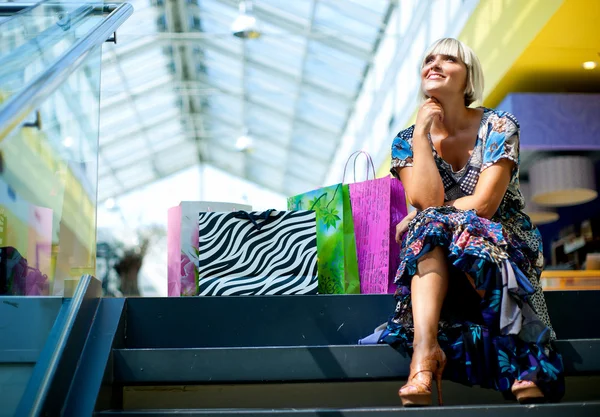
[[454, 47]]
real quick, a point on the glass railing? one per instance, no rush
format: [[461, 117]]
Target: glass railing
[[36, 37], [50, 58]]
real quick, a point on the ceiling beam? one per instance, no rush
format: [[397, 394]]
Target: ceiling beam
[[133, 105], [137, 130], [234, 124], [308, 31], [206, 42], [386, 18], [286, 21], [186, 68], [180, 167]]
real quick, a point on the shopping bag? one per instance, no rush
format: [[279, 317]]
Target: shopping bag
[[378, 205], [17, 277], [336, 247], [182, 243], [257, 253]]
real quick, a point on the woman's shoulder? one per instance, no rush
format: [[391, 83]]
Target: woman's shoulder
[[406, 134], [497, 115]]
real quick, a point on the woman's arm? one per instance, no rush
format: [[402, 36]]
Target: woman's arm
[[489, 191], [422, 181]]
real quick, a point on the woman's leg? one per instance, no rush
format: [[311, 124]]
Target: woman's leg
[[428, 290]]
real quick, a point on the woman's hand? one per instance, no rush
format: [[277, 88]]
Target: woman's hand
[[427, 114], [402, 227]]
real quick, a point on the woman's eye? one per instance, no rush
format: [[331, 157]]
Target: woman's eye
[[451, 59]]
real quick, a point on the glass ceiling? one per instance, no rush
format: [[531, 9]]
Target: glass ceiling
[[179, 89]]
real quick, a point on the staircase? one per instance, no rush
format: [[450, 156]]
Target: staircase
[[293, 355]]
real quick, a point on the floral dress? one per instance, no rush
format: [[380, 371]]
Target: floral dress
[[494, 325]]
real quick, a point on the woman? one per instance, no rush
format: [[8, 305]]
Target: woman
[[468, 299]]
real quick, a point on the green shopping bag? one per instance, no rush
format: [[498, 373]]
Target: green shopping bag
[[336, 245]]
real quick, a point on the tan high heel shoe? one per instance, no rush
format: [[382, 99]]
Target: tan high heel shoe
[[527, 392], [417, 391]]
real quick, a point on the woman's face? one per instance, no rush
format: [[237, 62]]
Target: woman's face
[[443, 75]]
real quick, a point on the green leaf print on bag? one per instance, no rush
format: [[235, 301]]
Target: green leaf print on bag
[[336, 249], [330, 217], [317, 203]]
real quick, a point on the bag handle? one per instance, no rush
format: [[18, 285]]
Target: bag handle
[[323, 195], [370, 163], [264, 216]]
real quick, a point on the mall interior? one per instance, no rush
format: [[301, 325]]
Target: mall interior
[[139, 139]]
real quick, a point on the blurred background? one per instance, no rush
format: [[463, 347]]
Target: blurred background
[[251, 102]]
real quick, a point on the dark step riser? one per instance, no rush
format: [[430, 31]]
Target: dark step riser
[[322, 395], [303, 320], [297, 364]]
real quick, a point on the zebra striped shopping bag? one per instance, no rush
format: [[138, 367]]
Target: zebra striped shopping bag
[[257, 253]]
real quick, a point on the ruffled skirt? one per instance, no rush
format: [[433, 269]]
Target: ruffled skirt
[[489, 328]]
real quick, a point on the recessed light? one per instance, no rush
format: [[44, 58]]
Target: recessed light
[[590, 65], [244, 143], [110, 203]]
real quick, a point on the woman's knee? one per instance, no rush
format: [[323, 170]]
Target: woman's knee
[[433, 261]]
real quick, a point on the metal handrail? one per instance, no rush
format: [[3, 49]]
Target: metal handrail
[[47, 367], [19, 106], [32, 49], [9, 9]]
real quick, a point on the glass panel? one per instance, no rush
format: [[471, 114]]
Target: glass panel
[[326, 102], [48, 177], [33, 39], [299, 8], [48, 194], [331, 21], [48, 172], [332, 80], [319, 117], [331, 55], [378, 6]]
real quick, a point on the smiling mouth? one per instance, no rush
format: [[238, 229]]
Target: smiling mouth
[[435, 77]]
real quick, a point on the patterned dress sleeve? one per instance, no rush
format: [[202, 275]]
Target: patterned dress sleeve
[[502, 141], [402, 153]]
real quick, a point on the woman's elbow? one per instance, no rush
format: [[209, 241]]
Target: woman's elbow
[[486, 211], [422, 203], [484, 214]]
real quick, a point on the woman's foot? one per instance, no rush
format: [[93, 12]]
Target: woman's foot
[[527, 392], [426, 364]]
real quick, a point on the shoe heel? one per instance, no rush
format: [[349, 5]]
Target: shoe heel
[[438, 377], [438, 383]]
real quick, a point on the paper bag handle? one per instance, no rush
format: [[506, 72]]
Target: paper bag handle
[[370, 163], [323, 195], [264, 216]]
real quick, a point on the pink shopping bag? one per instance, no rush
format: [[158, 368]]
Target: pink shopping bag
[[182, 243], [378, 205]]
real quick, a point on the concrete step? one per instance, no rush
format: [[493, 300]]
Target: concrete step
[[193, 322], [581, 409], [297, 363]]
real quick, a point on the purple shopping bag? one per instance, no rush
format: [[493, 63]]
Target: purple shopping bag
[[378, 205]]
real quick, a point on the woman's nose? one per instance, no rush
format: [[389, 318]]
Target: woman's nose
[[436, 63]]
